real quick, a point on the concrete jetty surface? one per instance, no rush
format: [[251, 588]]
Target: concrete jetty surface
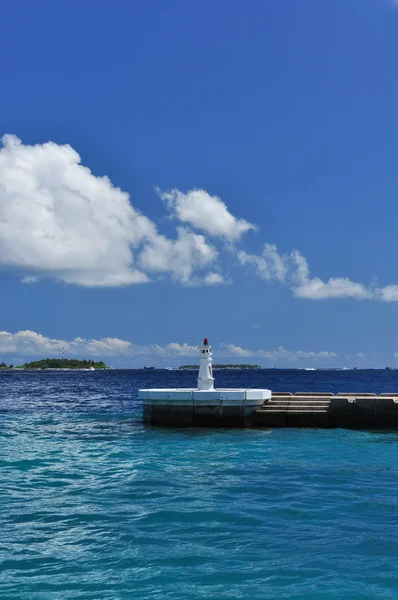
[[311, 409]]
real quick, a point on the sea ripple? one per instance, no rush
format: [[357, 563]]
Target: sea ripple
[[95, 505]]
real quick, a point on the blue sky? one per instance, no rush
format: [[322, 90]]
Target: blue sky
[[250, 156]]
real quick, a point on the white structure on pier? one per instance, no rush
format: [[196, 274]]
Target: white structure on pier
[[205, 379], [203, 405]]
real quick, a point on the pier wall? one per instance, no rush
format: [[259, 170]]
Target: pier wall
[[237, 408], [345, 410], [217, 408]]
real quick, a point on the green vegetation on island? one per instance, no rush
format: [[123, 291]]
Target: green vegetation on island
[[64, 363], [186, 367]]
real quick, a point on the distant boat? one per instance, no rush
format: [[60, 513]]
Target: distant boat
[[149, 367], [91, 369]]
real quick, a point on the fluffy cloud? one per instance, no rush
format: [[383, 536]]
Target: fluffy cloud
[[180, 256], [205, 212], [214, 279], [233, 350], [270, 265], [59, 220], [32, 344], [293, 270], [28, 342], [339, 287], [389, 293], [104, 347], [315, 289], [170, 350], [278, 354]]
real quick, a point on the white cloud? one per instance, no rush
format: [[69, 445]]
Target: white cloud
[[315, 289], [180, 256], [103, 347], [293, 269], [172, 349], [233, 350], [388, 294], [28, 342], [214, 279], [31, 344], [275, 355], [59, 220], [270, 265], [205, 212]]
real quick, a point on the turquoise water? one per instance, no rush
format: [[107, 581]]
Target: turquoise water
[[93, 505]]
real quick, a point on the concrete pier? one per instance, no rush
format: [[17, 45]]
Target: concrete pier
[[236, 408], [191, 407], [204, 406]]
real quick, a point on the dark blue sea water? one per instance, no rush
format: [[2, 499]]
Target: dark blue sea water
[[93, 505]]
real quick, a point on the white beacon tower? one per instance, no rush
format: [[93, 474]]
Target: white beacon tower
[[205, 378]]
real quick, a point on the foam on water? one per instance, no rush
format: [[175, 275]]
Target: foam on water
[[93, 505]]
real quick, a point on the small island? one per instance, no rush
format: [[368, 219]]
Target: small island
[[59, 363], [244, 366]]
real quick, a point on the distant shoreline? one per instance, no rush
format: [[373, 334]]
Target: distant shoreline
[[236, 367], [54, 364]]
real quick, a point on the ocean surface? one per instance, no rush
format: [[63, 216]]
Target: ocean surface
[[94, 505]]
